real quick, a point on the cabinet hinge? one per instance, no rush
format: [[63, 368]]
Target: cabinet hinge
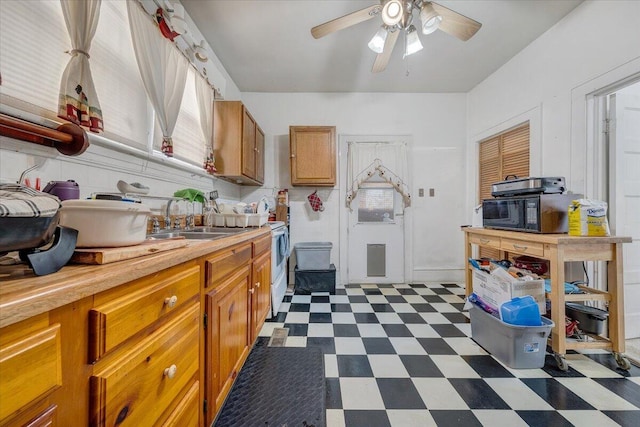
[[204, 406], [607, 126], [204, 321]]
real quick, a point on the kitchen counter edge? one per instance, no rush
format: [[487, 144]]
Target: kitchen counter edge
[[30, 295]]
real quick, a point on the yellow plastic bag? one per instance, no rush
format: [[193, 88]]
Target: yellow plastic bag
[[588, 218]]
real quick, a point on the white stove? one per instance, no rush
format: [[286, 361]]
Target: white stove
[[279, 254]]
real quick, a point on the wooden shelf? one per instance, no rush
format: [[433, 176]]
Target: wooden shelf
[[68, 138]]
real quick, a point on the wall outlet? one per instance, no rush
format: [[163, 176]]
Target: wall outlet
[[432, 192], [420, 192]]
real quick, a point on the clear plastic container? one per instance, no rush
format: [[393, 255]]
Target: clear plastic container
[[521, 311]]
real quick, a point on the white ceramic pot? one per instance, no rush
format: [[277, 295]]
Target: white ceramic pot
[[105, 223]]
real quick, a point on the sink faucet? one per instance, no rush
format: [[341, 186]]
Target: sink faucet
[[167, 216], [155, 225]]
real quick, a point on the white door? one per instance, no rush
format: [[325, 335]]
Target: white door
[[376, 235], [624, 195]]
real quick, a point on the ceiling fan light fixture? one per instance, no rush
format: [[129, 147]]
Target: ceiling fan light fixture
[[429, 18], [413, 43], [392, 12], [376, 43]]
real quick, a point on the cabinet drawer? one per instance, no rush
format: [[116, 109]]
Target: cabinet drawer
[[522, 247], [30, 367], [117, 319], [45, 419], [133, 389], [186, 412], [261, 245], [487, 241], [226, 261]]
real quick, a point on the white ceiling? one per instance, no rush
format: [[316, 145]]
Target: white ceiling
[[266, 45]]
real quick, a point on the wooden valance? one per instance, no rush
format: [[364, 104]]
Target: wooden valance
[[68, 138]]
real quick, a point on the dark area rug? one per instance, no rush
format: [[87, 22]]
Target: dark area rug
[[277, 386]]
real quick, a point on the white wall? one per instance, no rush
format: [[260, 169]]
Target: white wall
[[99, 169], [544, 81], [436, 124]]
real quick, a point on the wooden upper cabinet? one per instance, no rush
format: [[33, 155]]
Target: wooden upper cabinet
[[313, 155], [238, 144]]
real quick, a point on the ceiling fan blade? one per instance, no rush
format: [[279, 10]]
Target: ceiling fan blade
[[382, 59], [345, 21], [456, 24]]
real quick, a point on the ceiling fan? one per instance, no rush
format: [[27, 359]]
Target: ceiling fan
[[397, 16]]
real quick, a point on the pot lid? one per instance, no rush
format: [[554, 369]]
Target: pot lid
[[112, 205]]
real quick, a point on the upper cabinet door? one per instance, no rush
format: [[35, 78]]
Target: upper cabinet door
[[248, 145], [313, 155], [238, 144], [259, 154]]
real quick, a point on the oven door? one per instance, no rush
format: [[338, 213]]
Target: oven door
[[504, 213]]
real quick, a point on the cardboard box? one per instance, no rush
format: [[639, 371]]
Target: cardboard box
[[494, 291]]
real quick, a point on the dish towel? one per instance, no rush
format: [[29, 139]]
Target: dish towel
[[21, 201]]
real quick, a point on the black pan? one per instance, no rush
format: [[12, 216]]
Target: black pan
[[18, 233]]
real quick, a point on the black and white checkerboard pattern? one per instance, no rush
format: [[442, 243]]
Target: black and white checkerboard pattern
[[401, 355]]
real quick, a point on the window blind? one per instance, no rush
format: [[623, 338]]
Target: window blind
[[502, 155], [32, 56]]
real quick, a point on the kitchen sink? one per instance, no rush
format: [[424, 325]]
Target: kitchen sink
[[200, 233]]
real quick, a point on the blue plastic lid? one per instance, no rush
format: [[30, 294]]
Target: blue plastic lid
[[522, 311]]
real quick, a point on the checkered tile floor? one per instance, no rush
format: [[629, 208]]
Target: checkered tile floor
[[401, 355]]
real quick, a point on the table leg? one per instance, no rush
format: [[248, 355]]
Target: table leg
[[615, 287], [556, 265], [467, 270]]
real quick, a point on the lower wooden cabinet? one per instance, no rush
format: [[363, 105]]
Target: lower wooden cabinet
[[30, 366], [161, 350], [260, 293], [227, 336], [134, 388]]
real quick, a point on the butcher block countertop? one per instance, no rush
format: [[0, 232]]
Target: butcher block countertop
[[23, 294]]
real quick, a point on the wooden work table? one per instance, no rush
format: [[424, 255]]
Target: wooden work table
[[558, 249]]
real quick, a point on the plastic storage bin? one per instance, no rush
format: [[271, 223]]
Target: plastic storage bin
[[520, 347], [313, 255], [522, 311], [590, 319], [308, 281]]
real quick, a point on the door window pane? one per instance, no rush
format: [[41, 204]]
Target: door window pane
[[375, 205]]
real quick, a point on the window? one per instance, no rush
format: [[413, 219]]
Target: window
[[375, 204], [188, 140], [500, 156], [32, 59]]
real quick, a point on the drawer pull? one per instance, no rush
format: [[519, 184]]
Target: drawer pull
[[171, 302], [257, 284], [484, 241], [170, 372], [233, 304], [522, 248]]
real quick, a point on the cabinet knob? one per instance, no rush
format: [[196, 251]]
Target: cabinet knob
[[170, 372], [293, 156], [252, 290], [171, 302], [257, 284]]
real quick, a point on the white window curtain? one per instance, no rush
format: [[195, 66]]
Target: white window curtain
[[205, 96], [163, 70], [78, 101], [386, 160]]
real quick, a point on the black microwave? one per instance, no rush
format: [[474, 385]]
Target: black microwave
[[538, 213]]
